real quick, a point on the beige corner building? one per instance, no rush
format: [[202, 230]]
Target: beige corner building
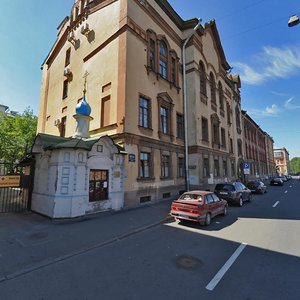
[[282, 161], [127, 54]]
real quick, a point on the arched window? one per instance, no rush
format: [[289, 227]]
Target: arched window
[[221, 96], [163, 59], [202, 79], [212, 84], [238, 119]]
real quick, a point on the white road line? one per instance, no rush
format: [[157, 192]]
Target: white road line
[[226, 267], [285, 192], [276, 203]]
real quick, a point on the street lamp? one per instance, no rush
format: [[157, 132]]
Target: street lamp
[[187, 179], [293, 21]]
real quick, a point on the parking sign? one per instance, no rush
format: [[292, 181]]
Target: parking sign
[[246, 167]]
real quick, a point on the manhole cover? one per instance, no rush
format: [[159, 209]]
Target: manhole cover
[[187, 262], [38, 236]]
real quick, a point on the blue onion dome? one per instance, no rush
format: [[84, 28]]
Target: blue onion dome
[[83, 108]]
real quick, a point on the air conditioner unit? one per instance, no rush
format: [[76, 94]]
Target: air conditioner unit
[[71, 37], [85, 29], [56, 122]]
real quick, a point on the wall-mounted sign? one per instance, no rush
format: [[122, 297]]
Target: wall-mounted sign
[[131, 157], [10, 181]]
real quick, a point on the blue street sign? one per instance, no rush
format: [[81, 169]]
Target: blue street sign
[[246, 167]]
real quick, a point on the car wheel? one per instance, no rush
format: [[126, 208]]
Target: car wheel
[[207, 219], [241, 202], [225, 211]]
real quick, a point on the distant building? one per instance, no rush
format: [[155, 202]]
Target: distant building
[[5, 109], [282, 161], [258, 149]]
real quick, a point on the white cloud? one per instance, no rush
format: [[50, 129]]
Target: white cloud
[[271, 111], [289, 105], [270, 64]]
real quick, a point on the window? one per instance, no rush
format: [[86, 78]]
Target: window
[[239, 146], [212, 88], [202, 79], [145, 199], [209, 199], [205, 167], [163, 60], [181, 170], [68, 56], [204, 127], [144, 113], [152, 54], [228, 114], [98, 189], [232, 169], [216, 134], [180, 126], [145, 164], [223, 137], [238, 120], [164, 120], [63, 126], [173, 71], [231, 145], [65, 88], [105, 111], [216, 168], [221, 96], [165, 166], [225, 168]]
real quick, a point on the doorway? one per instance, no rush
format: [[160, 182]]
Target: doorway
[[98, 187]]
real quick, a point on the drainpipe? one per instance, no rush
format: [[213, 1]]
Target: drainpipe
[[187, 179]]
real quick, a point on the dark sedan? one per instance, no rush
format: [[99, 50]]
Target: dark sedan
[[257, 187], [233, 193], [276, 181]]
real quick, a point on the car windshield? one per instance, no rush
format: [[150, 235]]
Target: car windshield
[[191, 196], [224, 187]]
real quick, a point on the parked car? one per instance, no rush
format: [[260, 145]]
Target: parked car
[[283, 178], [276, 181], [257, 187], [198, 206], [233, 193]]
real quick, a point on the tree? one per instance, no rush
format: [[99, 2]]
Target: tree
[[17, 134], [295, 165]]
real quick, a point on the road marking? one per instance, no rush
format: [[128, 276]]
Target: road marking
[[276, 203], [285, 192], [226, 267]]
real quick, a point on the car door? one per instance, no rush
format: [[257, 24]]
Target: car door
[[210, 205], [246, 192], [218, 204]]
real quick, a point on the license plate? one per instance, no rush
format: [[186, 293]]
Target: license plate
[[223, 193]]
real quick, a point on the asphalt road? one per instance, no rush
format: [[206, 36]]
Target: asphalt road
[[252, 253]]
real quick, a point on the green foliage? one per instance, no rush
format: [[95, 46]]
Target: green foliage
[[16, 135], [295, 165]]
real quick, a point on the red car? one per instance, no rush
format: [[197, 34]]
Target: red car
[[198, 206]]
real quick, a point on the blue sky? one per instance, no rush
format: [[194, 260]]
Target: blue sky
[[256, 40]]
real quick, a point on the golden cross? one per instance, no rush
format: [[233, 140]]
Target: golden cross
[[86, 74]]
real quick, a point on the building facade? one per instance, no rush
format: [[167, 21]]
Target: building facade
[[258, 145], [127, 54], [282, 161]]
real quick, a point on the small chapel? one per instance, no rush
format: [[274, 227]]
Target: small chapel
[[78, 175]]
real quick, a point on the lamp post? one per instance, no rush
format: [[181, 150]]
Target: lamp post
[[187, 179]]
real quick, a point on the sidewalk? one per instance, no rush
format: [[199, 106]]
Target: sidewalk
[[29, 241]]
